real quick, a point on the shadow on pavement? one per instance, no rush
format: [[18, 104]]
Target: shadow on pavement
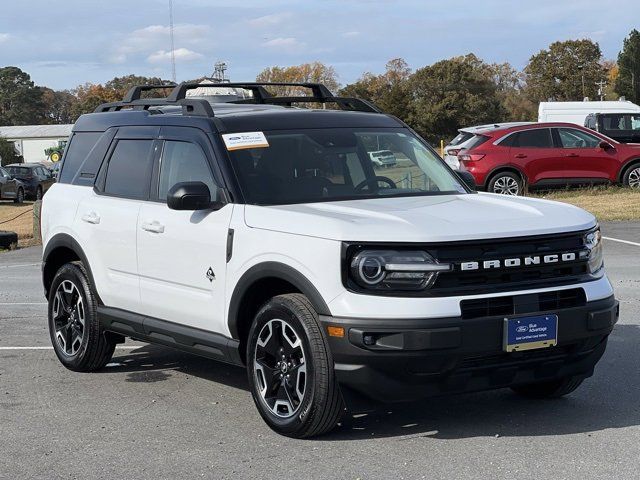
[[608, 400]]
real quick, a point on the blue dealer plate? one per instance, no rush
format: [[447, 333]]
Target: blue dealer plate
[[527, 333]]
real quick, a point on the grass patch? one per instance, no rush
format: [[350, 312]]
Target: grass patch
[[606, 203], [22, 225]]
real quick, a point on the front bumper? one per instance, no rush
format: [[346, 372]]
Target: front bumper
[[417, 358]]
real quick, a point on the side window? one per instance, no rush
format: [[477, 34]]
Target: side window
[[183, 162], [536, 138], [129, 169], [572, 138], [80, 146]]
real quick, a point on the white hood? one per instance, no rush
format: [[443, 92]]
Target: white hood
[[422, 219]]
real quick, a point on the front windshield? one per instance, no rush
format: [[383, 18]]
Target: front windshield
[[319, 165]]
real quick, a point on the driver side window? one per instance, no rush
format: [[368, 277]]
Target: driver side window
[[572, 138], [183, 162]]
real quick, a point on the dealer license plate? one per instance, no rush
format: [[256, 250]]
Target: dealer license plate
[[528, 333]]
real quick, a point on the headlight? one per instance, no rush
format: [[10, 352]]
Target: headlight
[[593, 243], [395, 270]]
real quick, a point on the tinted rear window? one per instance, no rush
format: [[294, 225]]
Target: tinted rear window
[[19, 171], [461, 137], [129, 169], [77, 151], [536, 138], [476, 141]]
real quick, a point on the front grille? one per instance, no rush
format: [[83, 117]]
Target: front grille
[[523, 304], [508, 278]]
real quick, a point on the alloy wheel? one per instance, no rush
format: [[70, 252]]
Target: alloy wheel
[[634, 178], [506, 186], [68, 317], [280, 368]]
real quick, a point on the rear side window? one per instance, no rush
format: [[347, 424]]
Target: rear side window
[[461, 137], [129, 169], [77, 151], [536, 138], [21, 171]]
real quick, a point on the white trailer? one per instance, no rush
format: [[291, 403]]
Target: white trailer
[[31, 141], [576, 112]]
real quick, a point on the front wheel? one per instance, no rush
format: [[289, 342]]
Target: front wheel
[[552, 389], [77, 337], [290, 369], [19, 196], [506, 183], [632, 177], [39, 193]]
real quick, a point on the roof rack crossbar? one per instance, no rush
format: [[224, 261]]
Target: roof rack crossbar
[[190, 106], [135, 93], [345, 103]]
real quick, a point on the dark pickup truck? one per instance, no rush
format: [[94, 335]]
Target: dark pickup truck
[[623, 127]]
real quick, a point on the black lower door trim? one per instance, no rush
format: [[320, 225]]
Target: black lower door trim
[[153, 330]]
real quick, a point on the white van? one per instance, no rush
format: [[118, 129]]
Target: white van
[[576, 112]]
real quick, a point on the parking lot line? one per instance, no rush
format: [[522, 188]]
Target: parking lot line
[[622, 241], [20, 265], [23, 303], [119, 347]]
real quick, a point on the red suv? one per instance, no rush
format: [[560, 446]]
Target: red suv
[[505, 160]]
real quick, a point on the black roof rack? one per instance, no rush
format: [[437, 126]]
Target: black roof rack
[[260, 95]]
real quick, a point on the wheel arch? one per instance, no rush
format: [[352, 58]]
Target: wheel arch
[[505, 168], [626, 166], [260, 283], [61, 249]]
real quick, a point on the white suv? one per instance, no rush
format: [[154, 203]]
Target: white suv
[[262, 235]]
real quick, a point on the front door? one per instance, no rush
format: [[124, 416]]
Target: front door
[[182, 254], [583, 157]]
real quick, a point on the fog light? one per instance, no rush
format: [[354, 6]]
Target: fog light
[[368, 339]]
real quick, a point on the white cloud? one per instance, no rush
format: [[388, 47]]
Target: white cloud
[[181, 54], [350, 34], [270, 20], [4, 37], [284, 43]]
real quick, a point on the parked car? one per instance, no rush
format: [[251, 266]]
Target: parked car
[[11, 188], [623, 127], [576, 112], [383, 158], [506, 160], [37, 179], [465, 137], [263, 237]]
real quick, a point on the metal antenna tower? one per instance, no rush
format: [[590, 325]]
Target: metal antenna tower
[[173, 47]]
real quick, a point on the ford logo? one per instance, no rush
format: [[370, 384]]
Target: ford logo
[[522, 329]]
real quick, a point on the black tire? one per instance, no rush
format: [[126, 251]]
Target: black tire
[[506, 182], [39, 193], [19, 196], [552, 389], [94, 349], [8, 239], [631, 176], [320, 407]]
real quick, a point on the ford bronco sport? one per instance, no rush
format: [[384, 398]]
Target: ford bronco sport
[[263, 234]]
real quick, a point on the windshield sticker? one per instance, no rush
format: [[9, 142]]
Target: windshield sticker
[[238, 141]]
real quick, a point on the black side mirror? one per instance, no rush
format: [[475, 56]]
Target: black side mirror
[[467, 178], [191, 196], [606, 145]]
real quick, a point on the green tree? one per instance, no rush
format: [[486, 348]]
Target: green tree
[[628, 80], [58, 106], [565, 71], [510, 89], [20, 99], [8, 153], [122, 85], [451, 94], [389, 91], [316, 72]]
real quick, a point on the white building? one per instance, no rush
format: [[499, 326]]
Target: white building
[[31, 141]]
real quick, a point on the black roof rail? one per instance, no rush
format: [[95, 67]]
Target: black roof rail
[[260, 95]]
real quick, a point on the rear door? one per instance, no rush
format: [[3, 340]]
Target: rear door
[[532, 150], [583, 157], [107, 218], [182, 255]]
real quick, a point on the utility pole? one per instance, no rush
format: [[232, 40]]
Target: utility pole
[[173, 47], [601, 84]]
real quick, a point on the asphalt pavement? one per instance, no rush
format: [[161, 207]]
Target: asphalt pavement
[[157, 413]]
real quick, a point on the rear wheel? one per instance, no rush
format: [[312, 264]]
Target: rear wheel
[[506, 183], [290, 369], [77, 337], [39, 193], [632, 176], [552, 389]]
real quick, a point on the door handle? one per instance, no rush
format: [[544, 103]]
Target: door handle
[[520, 155], [91, 217], [153, 227]]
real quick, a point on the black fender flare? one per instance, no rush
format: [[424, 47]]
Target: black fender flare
[[272, 270], [64, 240]]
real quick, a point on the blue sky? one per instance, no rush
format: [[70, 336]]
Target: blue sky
[[68, 42]]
